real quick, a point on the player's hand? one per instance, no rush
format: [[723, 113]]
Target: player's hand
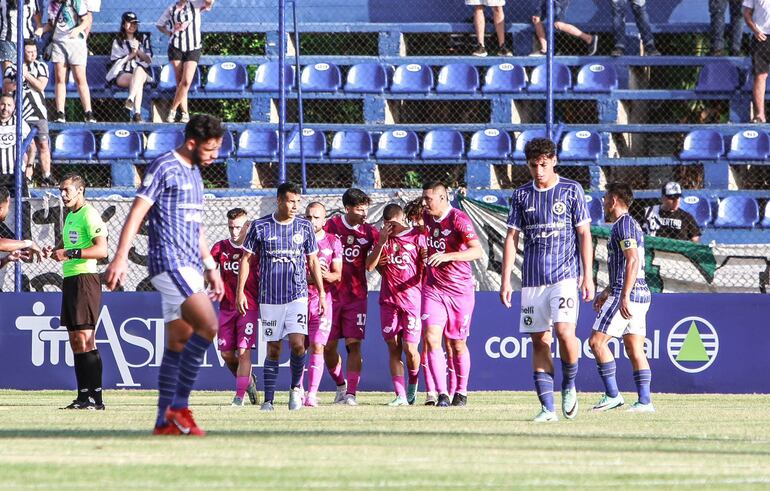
[[59, 255], [322, 305], [181, 27], [505, 293], [115, 274], [34, 252], [438, 258], [600, 299], [760, 36], [587, 288], [625, 307], [18, 255], [47, 251], [385, 232], [216, 287], [242, 302], [383, 261]]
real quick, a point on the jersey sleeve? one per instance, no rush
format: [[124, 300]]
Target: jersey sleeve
[[165, 19], [693, 229], [626, 234], [10, 73], [514, 214], [80, 6], [216, 250], [251, 241], [42, 71], [580, 215], [310, 246], [95, 224], [152, 184], [464, 227], [198, 4], [336, 249]]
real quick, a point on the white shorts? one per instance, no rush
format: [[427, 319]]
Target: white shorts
[[542, 306], [486, 3], [175, 287], [278, 321], [611, 322]]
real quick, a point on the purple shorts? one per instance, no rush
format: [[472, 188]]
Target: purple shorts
[[319, 327], [453, 312], [237, 331], [395, 320], [349, 320]]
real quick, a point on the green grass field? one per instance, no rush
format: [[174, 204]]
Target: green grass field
[[695, 441]]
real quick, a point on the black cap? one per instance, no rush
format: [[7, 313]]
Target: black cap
[[129, 17]]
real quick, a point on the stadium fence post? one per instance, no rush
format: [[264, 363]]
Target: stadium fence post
[[299, 97], [282, 91], [549, 73]]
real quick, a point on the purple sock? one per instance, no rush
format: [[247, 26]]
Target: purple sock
[[544, 388], [189, 365], [167, 375]]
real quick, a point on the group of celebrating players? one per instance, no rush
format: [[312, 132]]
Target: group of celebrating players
[[303, 279]]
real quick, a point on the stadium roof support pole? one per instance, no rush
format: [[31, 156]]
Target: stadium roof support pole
[[549, 73], [281, 91], [18, 205], [301, 115]]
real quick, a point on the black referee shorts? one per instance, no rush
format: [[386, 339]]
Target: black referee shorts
[[80, 301]]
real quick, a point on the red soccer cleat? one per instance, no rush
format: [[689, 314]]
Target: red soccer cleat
[[183, 420], [166, 429]]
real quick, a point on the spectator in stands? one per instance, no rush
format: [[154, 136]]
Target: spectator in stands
[[668, 220], [717, 12], [93, 7], [498, 17], [69, 52], [8, 143], [8, 33], [131, 57], [756, 13], [639, 8], [559, 12], [181, 22], [34, 112]]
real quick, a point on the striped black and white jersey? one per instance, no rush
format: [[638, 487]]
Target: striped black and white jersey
[[184, 23], [9, 13], [8, 143], [34, 108], [121, 49]]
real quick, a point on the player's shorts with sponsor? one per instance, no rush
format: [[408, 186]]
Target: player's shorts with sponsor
[[611, 322], [319, 326], [454, 312], [237, 331], [278, 321], [395, 320], [175, 287], [81, 301], [543, 306], [349, 320]]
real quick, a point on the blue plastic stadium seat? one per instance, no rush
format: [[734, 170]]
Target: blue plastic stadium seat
[[703, 145], [596, 77], [258, 143], [505, 78], [228, 146], [162, 141], [227, 76], [120, 144], [367, 78], [412, 77], [351, 144], [74, 144], [718, 76], [699, 208], [595, 210], [458, 78], [313, 144], [266, 78], [737, 212], [562, 78], [52, 78], [398, 144], [522, 140], [443, 144], [749, 145], [167, 82], [766, 216], [581, 145], [490, 143], [321, 77]]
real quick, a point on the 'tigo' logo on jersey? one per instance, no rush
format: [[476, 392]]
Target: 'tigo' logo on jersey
[[693, 344], [233, 266], [351, 253], [436, 240], [402, 261]]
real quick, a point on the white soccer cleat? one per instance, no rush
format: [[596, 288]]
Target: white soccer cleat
[[311, 400], [350, 400], [398, 401], [569, 403], [339, 397], [606, 403], [431, 398], [295, 399], [267, 406], [237, 402], [545, 416], [638, 407]]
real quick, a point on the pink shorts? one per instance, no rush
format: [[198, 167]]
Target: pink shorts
[[453, 312], [237, 331], [319, 327], [349, 320], [395, 320]]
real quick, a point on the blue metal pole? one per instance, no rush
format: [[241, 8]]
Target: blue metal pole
[[18, 204], [549, 72], [299, 99], [282, 90]]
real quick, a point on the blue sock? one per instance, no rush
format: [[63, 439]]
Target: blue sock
[[568, 374], [189, 365], [642, 378], [270, 374], [167, 375], [297, 364], [607, 373], [544, 389]]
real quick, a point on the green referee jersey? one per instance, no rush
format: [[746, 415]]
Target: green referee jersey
[[80, 228]]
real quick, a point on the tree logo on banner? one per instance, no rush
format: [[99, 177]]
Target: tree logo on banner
[[692, 344]]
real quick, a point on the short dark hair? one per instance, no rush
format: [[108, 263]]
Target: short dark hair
[[622, 191], [4, 194], [314, 204], [355, 197], [8, 95], [286, 188], [538, 147], [414, 208], [203, 127], [30, 42], [434, 185], [76, 179], [235, 213], [391, 211]]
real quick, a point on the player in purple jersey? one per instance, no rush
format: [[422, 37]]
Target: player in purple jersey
[[287, 248], [623, 305], [172, 194], [550, 212]]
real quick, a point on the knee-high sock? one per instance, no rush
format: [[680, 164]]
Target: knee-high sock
[[544, 389], [398, 386], [643, 378], [315, 372], [451, 374], [94, 375], [81, 377], [568, 374], [189, 366], [353, 379], [427, 374], [241, 385], [270, 373], [414, 376], [607, 373], [437, 362], [167, 375], [463, 371], [336, 373], [297, 365]]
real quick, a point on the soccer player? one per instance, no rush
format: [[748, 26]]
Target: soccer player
[[172, 194], [349, 309], [320, 326], [237, 333], [449, 293], [551, 213], [623, 305], [399, 255], [283, 241], [84, 241]]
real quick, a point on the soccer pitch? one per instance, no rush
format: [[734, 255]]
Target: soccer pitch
[[703, 441]]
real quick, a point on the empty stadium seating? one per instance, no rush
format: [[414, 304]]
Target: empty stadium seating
[[161, 141], [227, 76], [580, 145], [505, 78], [595, 209], [765, 223], [749, 145], [443, 144], [74, 144], [737, 211], [490, 143], [702, 145], [718, 76], [258, 143], [167, 81], [398, 144], [368, 78], [458, 78], [266, 77], [351, 144], [120, 144], [562, 78], [412, 78], [596, 77], [699, 208], [321, 77], [312, 141]]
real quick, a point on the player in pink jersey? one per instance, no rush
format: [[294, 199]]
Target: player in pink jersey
[[319, 326], [349, 305], [237, 333], [449, 293], [399, 256]]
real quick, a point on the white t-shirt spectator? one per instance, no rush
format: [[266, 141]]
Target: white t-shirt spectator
[[761, 14]]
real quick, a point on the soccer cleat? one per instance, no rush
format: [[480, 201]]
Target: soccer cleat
[[350, 400], [252, 391], [430, 399], [295, 399], [443, 401], [237, 402], [98, 407], [267, 406], [398, 401], [411, 394], [166, 429], [606, 403], [545, 416], [76, 404], [459, 400], [183, 419], [638, 407], [339, 397], [569, 403], [311, 400]]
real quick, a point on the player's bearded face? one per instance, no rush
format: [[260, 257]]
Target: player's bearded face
[[207, 152]]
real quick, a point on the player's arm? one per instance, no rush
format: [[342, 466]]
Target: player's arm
[[315, 271], [472, 253], [334, 273], [585, 246], [115, 274], [631, 253], [211, 272], [244, 268], [98, 250], [373, 259], [510, 249]]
